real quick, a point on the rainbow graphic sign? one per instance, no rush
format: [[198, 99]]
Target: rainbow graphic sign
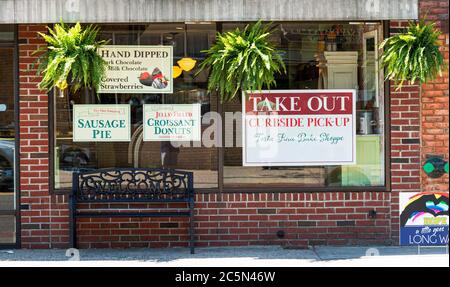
[[424, 218]]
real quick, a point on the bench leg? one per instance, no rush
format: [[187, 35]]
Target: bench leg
[[191, 227], [73, 233], [72, 225]]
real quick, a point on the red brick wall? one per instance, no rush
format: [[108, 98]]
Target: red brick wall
[[405, 140], [241, 218], [43, 220], [253, 219], [434, 100], [419, 122]]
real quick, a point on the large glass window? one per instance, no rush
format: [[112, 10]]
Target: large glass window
[[306, 49], [7, 135], [70, 156], [310, 51]]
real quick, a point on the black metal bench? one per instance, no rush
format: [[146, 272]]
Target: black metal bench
[[131, 185]]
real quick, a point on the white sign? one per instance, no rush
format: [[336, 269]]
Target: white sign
[[101, 123], [299, 127], [137, 69], [179, 122]]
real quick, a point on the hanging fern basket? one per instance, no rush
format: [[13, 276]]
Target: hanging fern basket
[[414, 55], [70, 59], [242, 60]]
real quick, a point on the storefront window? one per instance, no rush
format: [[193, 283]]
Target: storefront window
[[324, 56], [8, 124], [317, 56], [79, 156], [6, 33]]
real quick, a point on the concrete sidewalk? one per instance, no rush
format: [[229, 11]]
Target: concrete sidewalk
[[256, 256]]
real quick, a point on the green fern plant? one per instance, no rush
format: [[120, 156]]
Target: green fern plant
[[242, 61], [70, 58], [413, 55]]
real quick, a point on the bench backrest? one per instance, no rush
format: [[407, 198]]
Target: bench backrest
[[133, 185]]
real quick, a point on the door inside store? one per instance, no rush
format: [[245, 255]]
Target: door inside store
[[7, 137]]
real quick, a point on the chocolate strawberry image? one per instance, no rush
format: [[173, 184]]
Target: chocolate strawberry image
[[159, 81], [146, 79]]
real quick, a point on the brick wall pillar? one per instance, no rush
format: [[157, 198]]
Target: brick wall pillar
[[41, 223], [405, 148], [419, 121], [405, 141], [434, 100]]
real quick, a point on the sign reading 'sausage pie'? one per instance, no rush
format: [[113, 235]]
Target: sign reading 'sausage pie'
[[137, 69], [178, 122], [101, 123]]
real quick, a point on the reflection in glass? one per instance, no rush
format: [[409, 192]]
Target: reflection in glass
[[70, 156], [7, 137], [7, 229], [306, 49]]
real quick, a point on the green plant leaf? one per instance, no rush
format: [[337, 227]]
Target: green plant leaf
[[413, 55], [70, 58], [242, 60]]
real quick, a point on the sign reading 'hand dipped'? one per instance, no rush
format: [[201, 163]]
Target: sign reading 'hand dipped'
[[137, 69]]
